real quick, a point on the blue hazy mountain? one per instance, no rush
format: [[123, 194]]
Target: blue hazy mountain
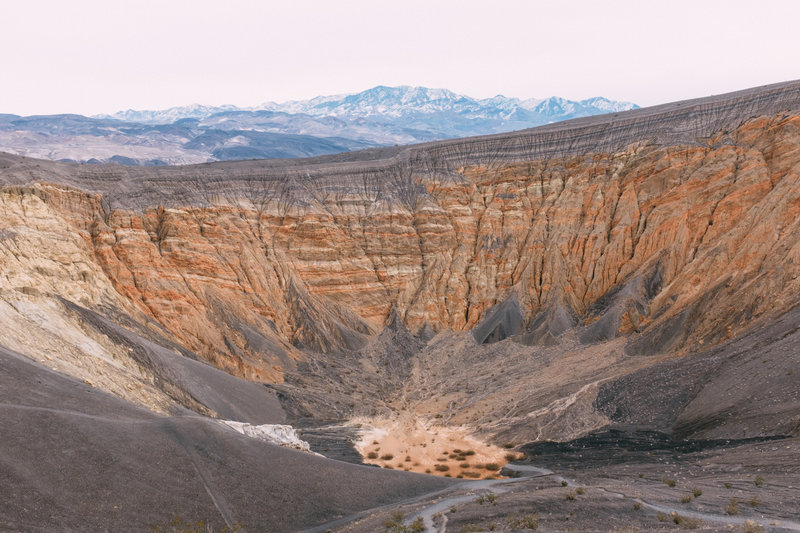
[[326, 124]]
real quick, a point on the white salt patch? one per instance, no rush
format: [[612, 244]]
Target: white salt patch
[[280, 434]]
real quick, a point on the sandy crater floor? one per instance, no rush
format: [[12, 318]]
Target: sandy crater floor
[[415, 445]]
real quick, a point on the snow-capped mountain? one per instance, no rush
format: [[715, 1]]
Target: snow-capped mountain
[[395, 103], [326, 124], [387, 102], [168, 116]]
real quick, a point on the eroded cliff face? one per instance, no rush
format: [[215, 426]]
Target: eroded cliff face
[[382, 282], [674, 246], [45, 263]]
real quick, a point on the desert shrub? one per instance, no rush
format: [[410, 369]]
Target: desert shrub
[[395, 524], [697, 492], [755, 502], [728, 485], [464, 465], [564, 483], [580, 491], [489, 497], [372, 455], [759, 481], [417, 526], [637, 506], [751, 527], [473, 475], [508, 445], [492, 466], [528, 522], [387, 457], [733, 507], [662, 517], [686, 498], [570, 496], [469, 452], [685, 522], [441, 468], [669, 482]]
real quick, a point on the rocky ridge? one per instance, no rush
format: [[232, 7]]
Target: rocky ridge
[[382, 116]]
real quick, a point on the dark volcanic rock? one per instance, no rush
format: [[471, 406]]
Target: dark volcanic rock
[[619, 446], [501, 321], [742, 389]]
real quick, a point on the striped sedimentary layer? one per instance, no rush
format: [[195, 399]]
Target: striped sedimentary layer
[[675, 226]]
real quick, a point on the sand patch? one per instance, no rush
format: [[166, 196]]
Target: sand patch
[[415, 445]]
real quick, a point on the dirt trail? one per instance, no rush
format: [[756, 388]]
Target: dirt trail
[[435, 516]]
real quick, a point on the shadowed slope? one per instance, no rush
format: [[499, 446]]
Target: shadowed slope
[[744, 388], [80, 460]]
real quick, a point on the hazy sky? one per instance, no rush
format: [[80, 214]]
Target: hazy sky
[[95, 56]]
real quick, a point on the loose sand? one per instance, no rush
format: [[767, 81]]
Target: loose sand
[[415, 445]]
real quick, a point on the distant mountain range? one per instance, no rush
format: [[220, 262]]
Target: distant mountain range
[[326, 124]]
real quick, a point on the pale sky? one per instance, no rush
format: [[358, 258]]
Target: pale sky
[[102, 56]]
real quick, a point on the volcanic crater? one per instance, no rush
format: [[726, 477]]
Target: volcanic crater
[[573, 327]]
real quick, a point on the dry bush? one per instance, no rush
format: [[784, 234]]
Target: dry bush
[[751, 527], [528, 522], [685, 522]]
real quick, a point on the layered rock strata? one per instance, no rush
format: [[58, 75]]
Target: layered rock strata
[[674, 226]]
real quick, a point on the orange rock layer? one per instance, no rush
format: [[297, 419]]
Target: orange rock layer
[[249, 287]]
